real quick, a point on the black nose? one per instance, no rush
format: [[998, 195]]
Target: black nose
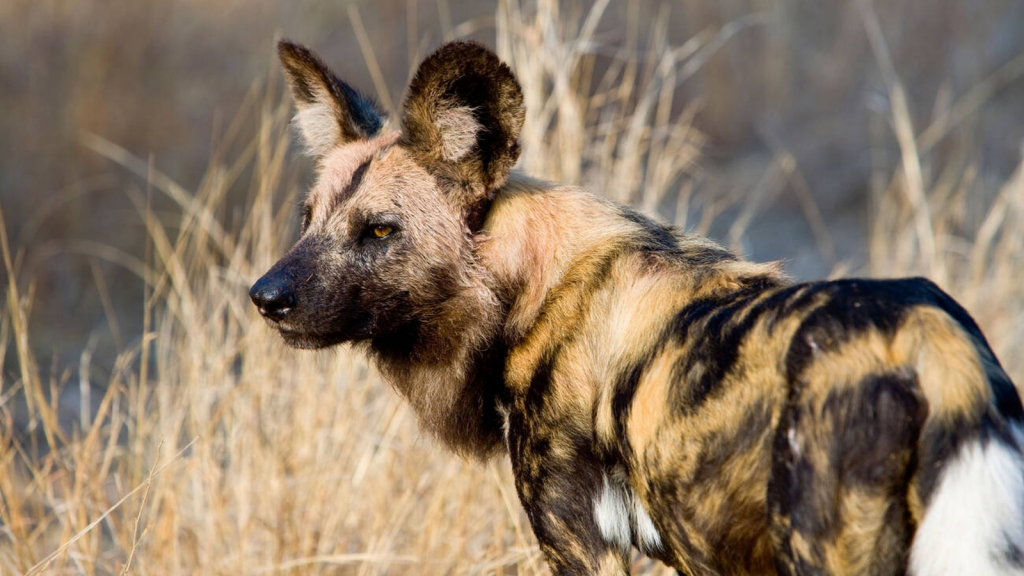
[[273, 297]]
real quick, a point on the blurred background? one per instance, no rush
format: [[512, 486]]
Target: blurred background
[[769, 79], [147, 177]]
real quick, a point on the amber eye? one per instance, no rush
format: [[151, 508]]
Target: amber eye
[[382, 230]]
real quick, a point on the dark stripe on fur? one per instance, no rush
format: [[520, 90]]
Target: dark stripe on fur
[[622, 401], [587, 275], [714, 329], [353, 185], [656, 236]]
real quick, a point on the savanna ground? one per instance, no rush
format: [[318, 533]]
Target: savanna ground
[[150, 423]]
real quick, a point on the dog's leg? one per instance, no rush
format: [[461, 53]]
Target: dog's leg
[[580, 518], [844, 454]]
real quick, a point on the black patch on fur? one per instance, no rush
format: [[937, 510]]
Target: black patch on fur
[[939, 443], [623, 391], [1007, 400], [701, 256], [655, 236], [541, 379], [789, 472], [865, 436], [880, 421], [400, 342], [717, 451], [364, 112], [941, 440], [854, 306], [714, 328], [487, 384], [477, 214], [794, 301]]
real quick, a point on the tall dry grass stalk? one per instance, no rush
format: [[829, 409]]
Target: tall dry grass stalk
[[940, 221], [216, 450], [604, 117]]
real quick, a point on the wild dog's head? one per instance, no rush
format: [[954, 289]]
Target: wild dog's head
[[386, 245]]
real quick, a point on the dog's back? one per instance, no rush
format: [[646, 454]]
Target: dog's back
[[852, 425]]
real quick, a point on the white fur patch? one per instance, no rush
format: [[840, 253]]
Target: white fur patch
[[458, 129], [976, 517], [647, 538], [319, 129], [795, 440], [613, 516], [621, 517], [503, 411]]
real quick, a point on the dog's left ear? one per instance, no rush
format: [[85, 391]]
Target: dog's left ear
[[462, 118]]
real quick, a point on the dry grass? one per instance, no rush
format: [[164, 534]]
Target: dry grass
[[216, 450]]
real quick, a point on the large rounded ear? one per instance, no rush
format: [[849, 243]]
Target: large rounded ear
[[330, 111], [462, 117]]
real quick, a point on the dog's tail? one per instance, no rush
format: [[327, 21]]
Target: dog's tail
[[968, 489]]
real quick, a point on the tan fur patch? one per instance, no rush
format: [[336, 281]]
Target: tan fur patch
[[319, 128], [845, 366], [863, 517], [946, 360], [648, 408], [611, 564], [458, 128], [534, 231]]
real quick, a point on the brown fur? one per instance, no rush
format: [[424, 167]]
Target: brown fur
[[654, 389]]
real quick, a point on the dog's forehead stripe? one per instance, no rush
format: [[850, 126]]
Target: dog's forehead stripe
[[342, 169], [337, 197]]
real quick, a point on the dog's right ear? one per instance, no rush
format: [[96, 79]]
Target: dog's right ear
[[330, 111]]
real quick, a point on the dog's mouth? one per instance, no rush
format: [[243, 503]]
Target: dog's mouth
[[292, 335], [297, 337]]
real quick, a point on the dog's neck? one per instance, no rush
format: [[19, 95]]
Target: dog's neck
[[452, 366]]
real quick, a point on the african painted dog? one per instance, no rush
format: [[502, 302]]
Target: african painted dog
[[651, 389]]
